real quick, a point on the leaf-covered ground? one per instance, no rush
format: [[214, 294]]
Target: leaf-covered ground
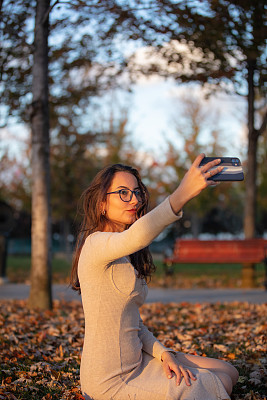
[[40, 351]]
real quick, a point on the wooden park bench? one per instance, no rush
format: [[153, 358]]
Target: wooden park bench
[[245, 252]]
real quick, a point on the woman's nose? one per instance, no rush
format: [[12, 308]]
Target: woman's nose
[[134, 199]]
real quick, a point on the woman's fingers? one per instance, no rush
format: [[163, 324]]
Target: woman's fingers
[[176, 369], [185, 374], [181, 371], [212, 172], [209, 165], [198, 160], [206, 171], [167, 370], [191, 375], [206, 167]]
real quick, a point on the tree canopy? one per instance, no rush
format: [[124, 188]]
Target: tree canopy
[[219, 43], [82, 60], [213, 42]]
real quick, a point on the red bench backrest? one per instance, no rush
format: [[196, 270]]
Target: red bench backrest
[[220, 251]]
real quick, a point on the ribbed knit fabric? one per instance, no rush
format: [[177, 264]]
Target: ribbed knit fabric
[[121, 357]]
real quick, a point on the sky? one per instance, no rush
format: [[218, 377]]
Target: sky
[[156, 106], [153, 106]]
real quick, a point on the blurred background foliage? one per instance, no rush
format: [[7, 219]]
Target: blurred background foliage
[[93, 47]]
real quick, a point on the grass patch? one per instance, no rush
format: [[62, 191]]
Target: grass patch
[[184, 275], [204, 275], [18, 269]]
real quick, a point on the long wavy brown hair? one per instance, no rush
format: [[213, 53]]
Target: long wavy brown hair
[[93, 220]]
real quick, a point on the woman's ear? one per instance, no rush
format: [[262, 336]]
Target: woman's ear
[[103, 208]]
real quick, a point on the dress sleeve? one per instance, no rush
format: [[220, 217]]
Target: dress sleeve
[[106, 247], [150, 344]]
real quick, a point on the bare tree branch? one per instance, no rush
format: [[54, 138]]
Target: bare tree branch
[[49, 10], [99, 5]]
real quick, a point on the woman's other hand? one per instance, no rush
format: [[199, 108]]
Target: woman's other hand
[[171, 365], [194, 181]]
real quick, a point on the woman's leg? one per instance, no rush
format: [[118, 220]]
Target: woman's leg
[[227, 373]]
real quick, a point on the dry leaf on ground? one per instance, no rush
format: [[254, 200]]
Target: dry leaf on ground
[[40, 351]]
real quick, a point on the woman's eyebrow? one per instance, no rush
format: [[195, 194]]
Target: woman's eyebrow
[[125, 187]]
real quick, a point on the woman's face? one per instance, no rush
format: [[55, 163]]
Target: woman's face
[[117, 211]]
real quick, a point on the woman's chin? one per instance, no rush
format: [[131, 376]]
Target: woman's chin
[[132, 220]]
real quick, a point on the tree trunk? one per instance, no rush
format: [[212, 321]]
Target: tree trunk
[[40, 292], [248, 271], [251, 175]]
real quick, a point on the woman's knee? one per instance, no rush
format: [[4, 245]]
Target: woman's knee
[[212, 364], [226, 380], [234, 374], [230, 370]]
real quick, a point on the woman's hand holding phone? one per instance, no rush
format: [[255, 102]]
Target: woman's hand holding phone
[[231, 172], [195, 180]]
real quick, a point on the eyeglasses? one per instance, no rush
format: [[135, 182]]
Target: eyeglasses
[[127, 194]]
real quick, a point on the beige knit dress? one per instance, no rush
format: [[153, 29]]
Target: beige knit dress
[[121, 357]]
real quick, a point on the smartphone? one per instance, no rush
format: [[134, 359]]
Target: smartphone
[[232, 171]]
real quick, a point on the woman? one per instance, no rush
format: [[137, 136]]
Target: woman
[[121, 359]]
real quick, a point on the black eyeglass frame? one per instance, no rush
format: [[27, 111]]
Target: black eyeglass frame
[[133, 192]]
